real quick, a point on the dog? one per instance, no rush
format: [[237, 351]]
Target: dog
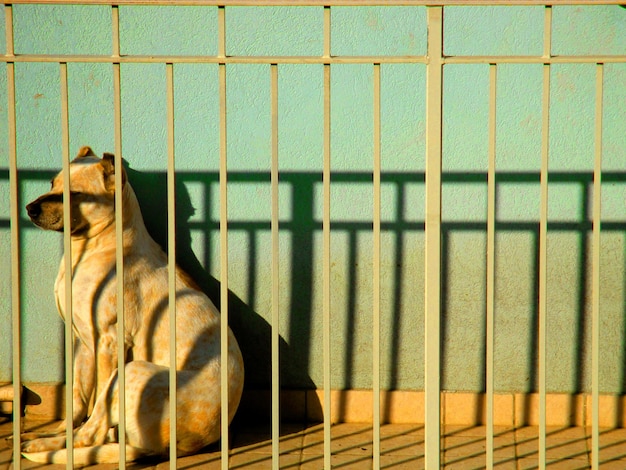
[[146, 330]]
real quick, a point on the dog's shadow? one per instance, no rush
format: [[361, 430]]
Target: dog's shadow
[[252, 331]]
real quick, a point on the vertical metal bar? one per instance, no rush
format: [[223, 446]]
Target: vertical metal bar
[[15, 244], [595, 314], [115, 26], [275, 273], [67, 263], [434, 82], [223, 238], [327, 33], [119, 239], [491, 254], [376, 272], [171, 257], [543, 276], [543, 237], [8, 32], [326, 243], [221, 32]]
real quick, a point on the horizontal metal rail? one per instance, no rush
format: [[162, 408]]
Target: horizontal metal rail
[[322, 3], [201, 59]]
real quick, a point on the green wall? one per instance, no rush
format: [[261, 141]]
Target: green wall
[[355, 31]]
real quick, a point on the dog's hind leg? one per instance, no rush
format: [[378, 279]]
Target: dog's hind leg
[[147, 388], [147, 424], [147, 414]]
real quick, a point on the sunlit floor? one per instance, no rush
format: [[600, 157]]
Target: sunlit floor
[[401, 447]]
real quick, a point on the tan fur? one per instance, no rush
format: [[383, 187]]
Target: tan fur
[[146, 330]]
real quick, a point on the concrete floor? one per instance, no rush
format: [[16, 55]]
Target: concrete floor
[[402, 447]]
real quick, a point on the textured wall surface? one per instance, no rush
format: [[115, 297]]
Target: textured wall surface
[[355, 31]]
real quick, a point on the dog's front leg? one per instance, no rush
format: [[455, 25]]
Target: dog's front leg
[[84, 381], [106, 351], [82, 390]]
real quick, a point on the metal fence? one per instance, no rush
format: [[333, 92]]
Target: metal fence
[[434, 61]]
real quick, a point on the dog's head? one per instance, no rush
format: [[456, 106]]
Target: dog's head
[[92, 196]]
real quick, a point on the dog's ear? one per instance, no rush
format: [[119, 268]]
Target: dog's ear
[[108, 171], [85, 152]]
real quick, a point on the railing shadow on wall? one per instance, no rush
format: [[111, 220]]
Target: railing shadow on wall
[[295, 357], [581, 225], [253, 331]]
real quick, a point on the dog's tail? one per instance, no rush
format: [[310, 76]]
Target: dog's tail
[[107, 453]]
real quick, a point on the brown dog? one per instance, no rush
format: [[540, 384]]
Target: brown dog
[[146, 330]]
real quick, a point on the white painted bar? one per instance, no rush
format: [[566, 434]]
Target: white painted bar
[[15, 244], [275, 272], [223, 171], [322, 60], [119, 254], [326, 244], [543, 236], [543, 239], [595, 290], [434, 82], [67, 262], [376, 273], [171, 257], [491, 264], [324, 3], [326, 267]]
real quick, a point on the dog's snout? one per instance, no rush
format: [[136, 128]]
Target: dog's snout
[[33, 209]]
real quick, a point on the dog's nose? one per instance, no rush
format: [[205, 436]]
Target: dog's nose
[[33, 209]]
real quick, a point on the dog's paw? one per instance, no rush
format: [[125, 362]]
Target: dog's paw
[[43, 443]]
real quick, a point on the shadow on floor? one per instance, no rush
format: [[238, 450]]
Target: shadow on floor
[[301, 446]]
